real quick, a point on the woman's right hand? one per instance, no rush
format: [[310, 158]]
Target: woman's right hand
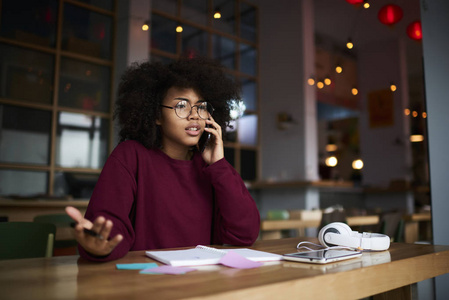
[[94, 245]]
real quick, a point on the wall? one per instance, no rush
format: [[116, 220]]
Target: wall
[[435, 21], [286, 40]]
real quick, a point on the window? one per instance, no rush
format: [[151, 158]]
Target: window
[[231, 39], [55, 95]]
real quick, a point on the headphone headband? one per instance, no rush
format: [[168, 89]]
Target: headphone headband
[[340, 234]]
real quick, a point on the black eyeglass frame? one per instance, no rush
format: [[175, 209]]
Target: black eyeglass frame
[[191, 108]]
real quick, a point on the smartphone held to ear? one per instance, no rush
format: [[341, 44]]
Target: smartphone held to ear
[[204, 140]]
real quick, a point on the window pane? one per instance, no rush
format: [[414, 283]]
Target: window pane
[[195, 11], [81, 141], [84, 85], [168, 6], [248, 59], [229, 154], [163, 34], [249, 89], [76, 185], [22, 183], [86, 32], [30, 21], [227, 21], [105, 4], [25, 135], [248, 21], [224, 50], [248, 167], [26, 74], [194, 41], [247, 130]]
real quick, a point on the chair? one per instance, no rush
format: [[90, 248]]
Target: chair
[[62, 223], [26, 240], [392, 224]]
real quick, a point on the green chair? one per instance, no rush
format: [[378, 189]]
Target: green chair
[[60, 221], [26, 240]]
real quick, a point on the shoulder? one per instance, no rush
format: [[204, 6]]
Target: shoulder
[[130, 152]]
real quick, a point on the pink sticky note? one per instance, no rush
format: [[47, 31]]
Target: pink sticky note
[[235, 260], [167, 270]]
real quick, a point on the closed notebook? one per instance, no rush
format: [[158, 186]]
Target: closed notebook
[[202, 255]]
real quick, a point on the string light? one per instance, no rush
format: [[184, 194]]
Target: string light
[[366, 4], [393, 87], [354, 91], [146, 25], [357, 164], [327, 81], [311, 81], [407, 112], [331, 161], [338, 69], [424, 115], [320, 84], [414, 114], [179, 28], [349, 44], [217, 14]]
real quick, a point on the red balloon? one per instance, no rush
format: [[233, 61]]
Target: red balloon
[[414, 31], [354, 2], [390, 14]]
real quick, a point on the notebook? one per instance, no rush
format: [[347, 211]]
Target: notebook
[[203, 255]]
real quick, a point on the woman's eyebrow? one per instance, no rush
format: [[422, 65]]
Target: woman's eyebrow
[[188, 100]]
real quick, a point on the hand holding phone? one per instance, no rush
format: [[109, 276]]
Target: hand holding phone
[[204, 140]]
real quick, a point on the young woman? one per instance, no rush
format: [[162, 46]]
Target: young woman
[[158, 189]]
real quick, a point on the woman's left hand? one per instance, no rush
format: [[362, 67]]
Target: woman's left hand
[[214, 150]]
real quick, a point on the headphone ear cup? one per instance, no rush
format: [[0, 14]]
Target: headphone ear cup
[[336, 227]]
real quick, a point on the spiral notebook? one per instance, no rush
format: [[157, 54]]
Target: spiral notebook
[[203, 255]]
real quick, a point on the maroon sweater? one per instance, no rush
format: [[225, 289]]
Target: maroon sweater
[[158, 202]]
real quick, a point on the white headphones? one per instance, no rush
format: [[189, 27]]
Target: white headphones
[[340, 234]]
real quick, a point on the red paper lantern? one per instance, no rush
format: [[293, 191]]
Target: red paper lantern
[[355, 2], [414, 31], [390, 14]]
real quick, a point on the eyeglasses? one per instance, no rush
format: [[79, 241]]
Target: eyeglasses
[[183, 109]]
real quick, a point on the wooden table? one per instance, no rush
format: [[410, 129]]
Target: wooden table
[[72, 278]]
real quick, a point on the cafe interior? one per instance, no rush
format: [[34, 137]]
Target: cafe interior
[[333, 125]]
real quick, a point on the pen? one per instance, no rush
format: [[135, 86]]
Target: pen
[[88, 231]]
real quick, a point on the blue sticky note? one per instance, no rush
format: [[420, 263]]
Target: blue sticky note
[[136, 266]]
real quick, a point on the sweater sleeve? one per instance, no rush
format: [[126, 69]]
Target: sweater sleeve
[[237, 219], [113, 198]]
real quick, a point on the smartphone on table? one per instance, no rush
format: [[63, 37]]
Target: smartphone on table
[[322, 256]]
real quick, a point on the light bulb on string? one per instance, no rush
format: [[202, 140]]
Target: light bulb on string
[[217, 14], [393, 87], [145, 26], [366, 4], [338, 69], [350, 44], [320, 84], [311, 81], [354, 91], [179, 29]]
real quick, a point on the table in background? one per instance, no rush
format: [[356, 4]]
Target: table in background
[[375, 272], [271, 229], [26, 210]]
